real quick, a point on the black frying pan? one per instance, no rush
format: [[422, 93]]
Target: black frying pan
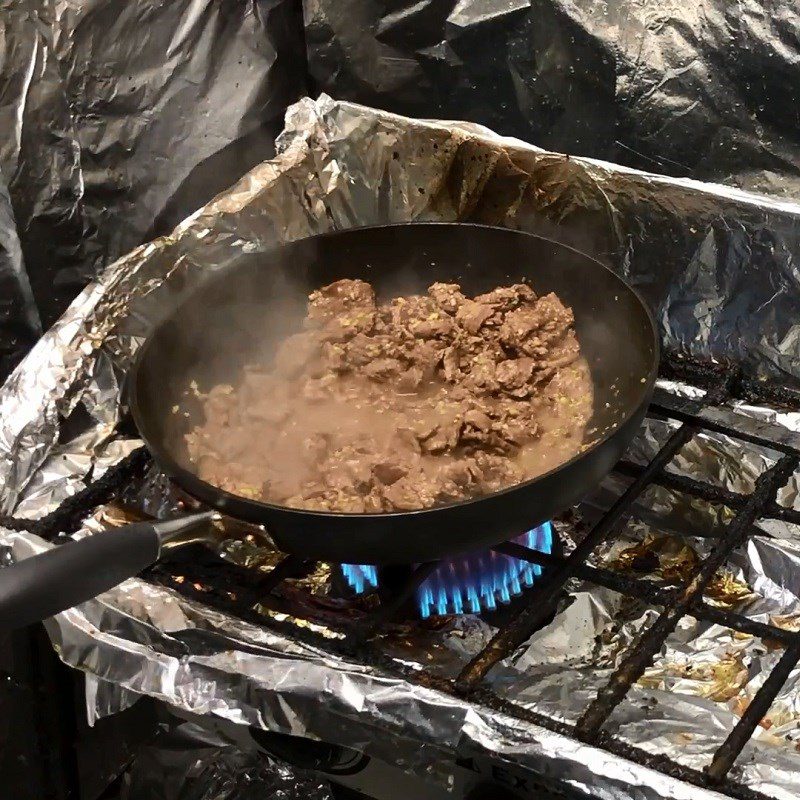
[[253, 304]]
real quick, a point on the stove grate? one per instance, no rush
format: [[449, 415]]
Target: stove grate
[[237, 590]]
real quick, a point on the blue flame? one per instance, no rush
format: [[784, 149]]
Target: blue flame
[[468, 583], [359, 576]]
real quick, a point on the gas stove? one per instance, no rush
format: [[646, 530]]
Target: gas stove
[[655, 653], [353, 611]]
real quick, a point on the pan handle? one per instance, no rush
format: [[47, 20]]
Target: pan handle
[[40, 586]]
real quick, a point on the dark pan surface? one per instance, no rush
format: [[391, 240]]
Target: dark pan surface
[[247, 308]]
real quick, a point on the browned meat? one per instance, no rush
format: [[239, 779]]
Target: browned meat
[[535, 329], [345, 297], [426, 399], [471, 315], [507, 298], [447, 296]]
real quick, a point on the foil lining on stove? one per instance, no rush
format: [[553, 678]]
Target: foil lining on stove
[[685, 245]]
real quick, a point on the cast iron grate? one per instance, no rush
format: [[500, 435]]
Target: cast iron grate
[[238, 590]]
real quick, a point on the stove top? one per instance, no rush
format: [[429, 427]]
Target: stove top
[[287, 597]]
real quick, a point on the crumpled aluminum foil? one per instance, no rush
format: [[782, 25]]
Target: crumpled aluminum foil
[[191, 763], [706, 90], [336, 168], [19, 319], [118, 120]]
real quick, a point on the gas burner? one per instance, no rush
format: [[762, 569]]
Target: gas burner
[[469, 583]]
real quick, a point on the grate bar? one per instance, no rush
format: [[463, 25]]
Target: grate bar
[[289, 567], [634, 587], [737, 622], [685, 485], [708, 492], [544, 595], [689, 418], [754, 713], [651, 592], [387, 611], [634, 665], [706, 374]]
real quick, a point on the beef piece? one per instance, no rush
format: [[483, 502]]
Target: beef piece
[[406, 442], [447, 491], [220, 405], [447, 296], [422, 428], [333, 357], [420, 318], [493, 472], [347, 469], [411, 492], [445, 435], [487, 441], [477, 419], [341, 298], [481, 375], [349, 503], [256, 385], [280, 486], [472, 315], [342, 310], [409, 380], [405, 310], [383, 369], [361, 350], [518, 330], [318, 390], [387, 472], [437, 326], [451, 364], [534, 330], [265, 400], [424, 355], [484, 348], [515, 376], [507, 298], [342, 329], [459, 473], [315, 446]]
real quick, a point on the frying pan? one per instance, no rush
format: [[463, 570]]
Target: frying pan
[[241, 312]]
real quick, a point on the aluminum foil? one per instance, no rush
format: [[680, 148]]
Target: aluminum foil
[[119, 120], [684, 244], [190, 763], [19, 319], [707, 90]]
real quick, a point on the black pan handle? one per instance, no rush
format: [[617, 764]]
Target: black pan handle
[[40, 586]]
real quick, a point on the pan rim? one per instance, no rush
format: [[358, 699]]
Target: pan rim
[[226, 501]]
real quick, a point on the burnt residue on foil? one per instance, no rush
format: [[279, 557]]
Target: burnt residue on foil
[[683, 244]]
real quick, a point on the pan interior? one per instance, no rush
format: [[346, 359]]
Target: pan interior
[[240, 314]]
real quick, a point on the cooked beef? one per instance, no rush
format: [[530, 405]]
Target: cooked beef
[[422, 400], [447, 296]]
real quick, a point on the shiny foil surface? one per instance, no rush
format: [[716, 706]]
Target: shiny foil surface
[[118, 120], [709, 90], [718, 267]]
